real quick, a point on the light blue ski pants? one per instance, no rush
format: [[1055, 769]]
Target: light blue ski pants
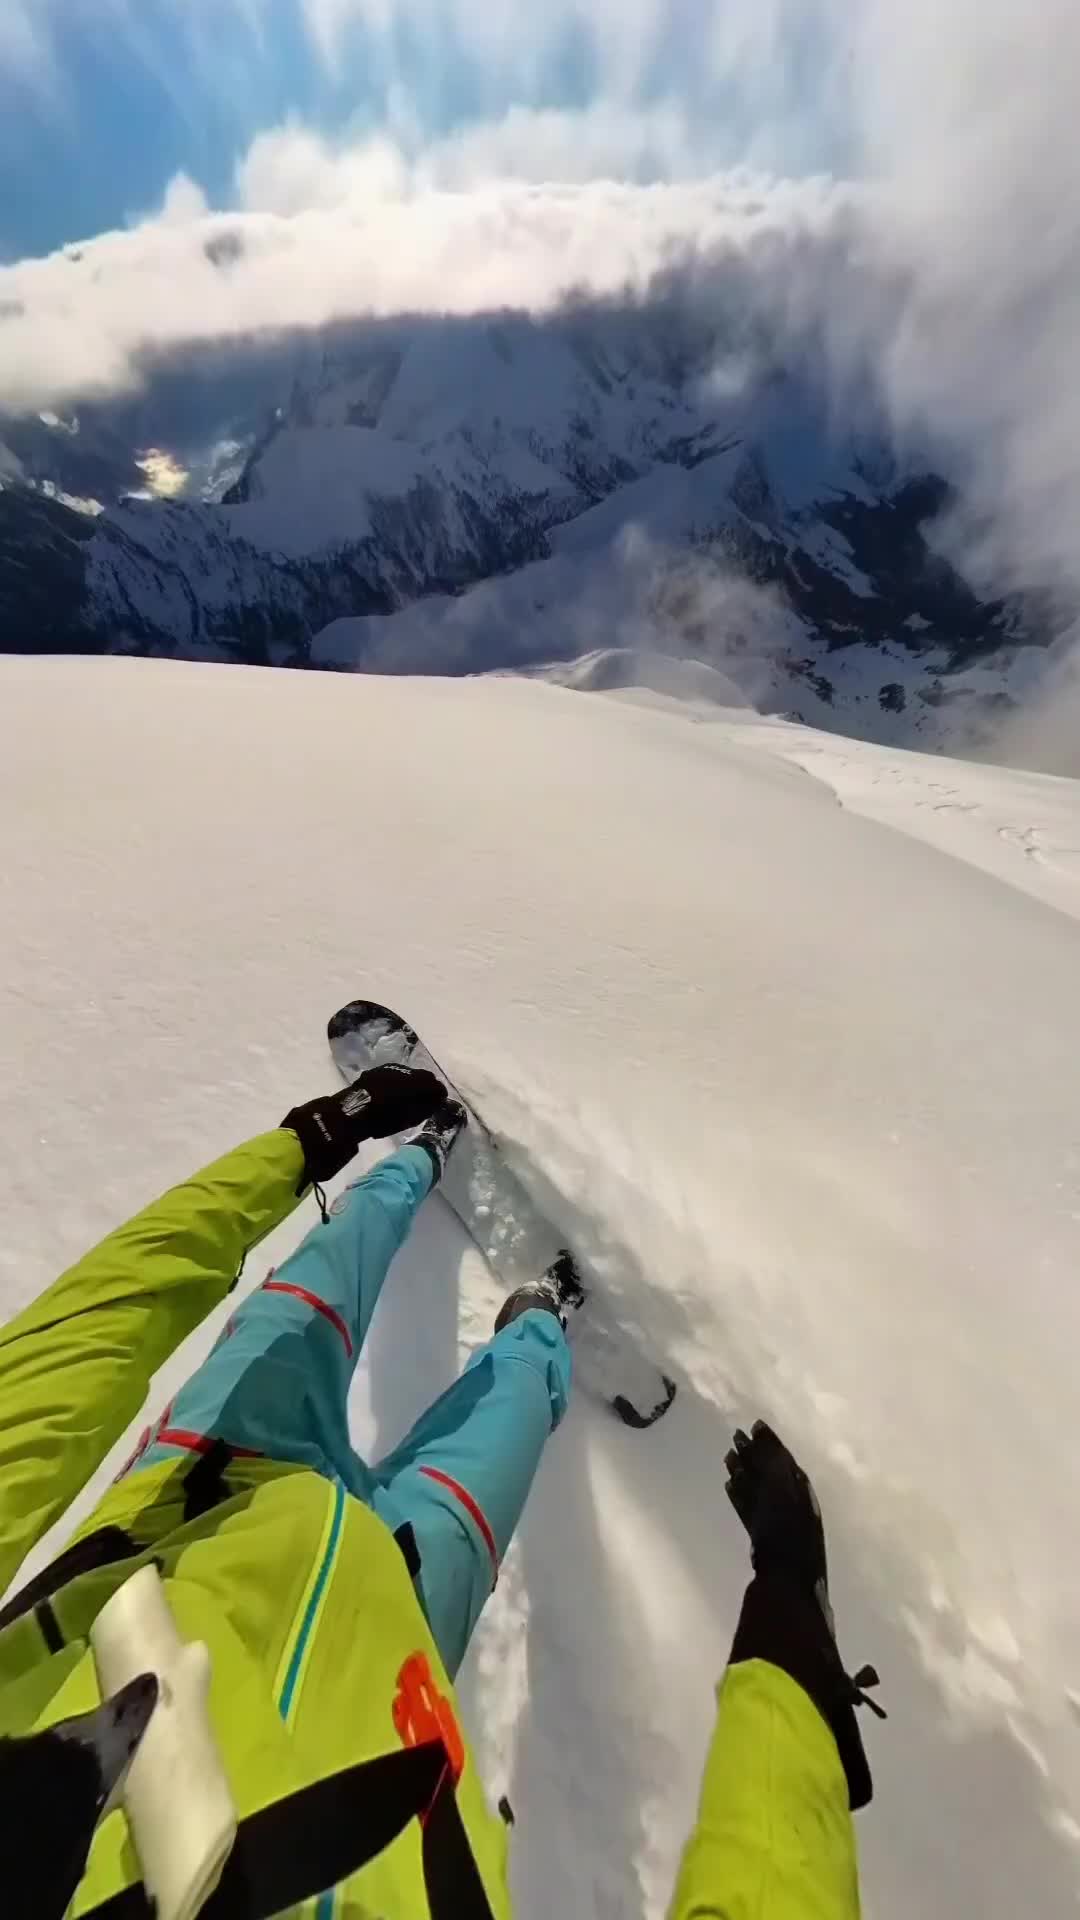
[[277, 1383]]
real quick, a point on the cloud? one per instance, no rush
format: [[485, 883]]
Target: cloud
[[559, 147], [970, 118], [616, 39], [184, 202], [363, 231], [24, 46], [292, 169]]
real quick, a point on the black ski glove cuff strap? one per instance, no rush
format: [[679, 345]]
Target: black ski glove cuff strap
[[781, 1622], [328, 1137]]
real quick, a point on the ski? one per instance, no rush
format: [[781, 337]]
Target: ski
[[504, 1223]]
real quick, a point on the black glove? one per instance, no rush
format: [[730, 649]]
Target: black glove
[[73, 1771], [385, 1100], [787, 1617], [778, 1507]]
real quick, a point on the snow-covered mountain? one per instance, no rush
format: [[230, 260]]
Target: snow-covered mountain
[[468, 495], [783, 1028]]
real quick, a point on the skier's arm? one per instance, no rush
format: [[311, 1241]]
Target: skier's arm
[[775, 1838], [76, 1365]]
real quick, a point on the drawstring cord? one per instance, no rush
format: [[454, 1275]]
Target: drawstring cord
[[866, 1677]]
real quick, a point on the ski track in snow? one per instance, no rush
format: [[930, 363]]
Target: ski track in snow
[[802, 1090], [1020, 827]]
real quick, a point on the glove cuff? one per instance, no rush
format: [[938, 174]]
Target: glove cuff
[[329, 1131], [781, 1622]]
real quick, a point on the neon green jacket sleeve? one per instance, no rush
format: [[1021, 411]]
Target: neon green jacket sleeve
[[775, 1838], [76, 1365]]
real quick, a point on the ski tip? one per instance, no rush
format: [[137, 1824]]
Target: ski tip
[[632, 1416], [367, 1016]]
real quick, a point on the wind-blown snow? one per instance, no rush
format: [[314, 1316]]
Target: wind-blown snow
[[648, 677], [607, 574], [798, 1081]]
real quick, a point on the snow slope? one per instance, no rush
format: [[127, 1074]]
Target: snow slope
[[793, 1059]]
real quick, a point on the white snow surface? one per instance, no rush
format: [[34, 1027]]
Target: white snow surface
[[783, 1030]]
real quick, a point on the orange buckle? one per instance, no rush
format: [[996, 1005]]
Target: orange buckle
[[422, 1715]]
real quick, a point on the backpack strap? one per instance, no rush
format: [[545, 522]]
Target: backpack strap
[[105, 1548], [300, 1846], [204, 1483], [455, 1890]]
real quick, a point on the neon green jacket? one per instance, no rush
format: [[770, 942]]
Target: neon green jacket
[[304, 1599]]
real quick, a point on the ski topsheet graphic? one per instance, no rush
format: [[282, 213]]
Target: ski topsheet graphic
[[498, 1214]]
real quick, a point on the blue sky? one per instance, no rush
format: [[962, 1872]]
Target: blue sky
[[98, 137], [102, 102]]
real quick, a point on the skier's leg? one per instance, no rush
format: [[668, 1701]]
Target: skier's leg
[[462, 1477], [277, 1381]]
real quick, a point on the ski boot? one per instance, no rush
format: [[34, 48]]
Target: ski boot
[[558, 1291], [438, 1135]]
